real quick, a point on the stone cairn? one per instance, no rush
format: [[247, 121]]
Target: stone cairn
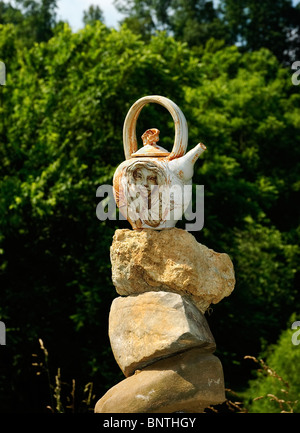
[[158, 332]]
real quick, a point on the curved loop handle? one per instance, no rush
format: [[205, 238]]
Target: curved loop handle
[[181, 128]]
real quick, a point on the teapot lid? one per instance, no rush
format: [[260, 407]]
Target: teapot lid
[[150, 148]]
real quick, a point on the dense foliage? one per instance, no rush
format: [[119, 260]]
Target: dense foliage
[[276, 389], [62, 112], [252, 24]]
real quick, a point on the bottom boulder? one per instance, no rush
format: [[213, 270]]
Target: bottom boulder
[[188, 382]]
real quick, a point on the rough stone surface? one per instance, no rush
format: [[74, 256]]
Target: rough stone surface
[[170, 260], [188, 382], [154, 325]]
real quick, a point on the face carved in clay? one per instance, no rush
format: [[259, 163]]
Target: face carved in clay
[[144, 181], [145, 177]]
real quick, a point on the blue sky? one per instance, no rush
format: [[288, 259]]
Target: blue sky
[[72, 11]]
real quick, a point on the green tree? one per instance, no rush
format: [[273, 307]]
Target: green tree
[[269, 24], [94, 13], [9, 14], [34, 20], [62, 113], [142, 16], [63, 108], [247, 113], [249, 24], [196, 21], [275, 387], [192, 21]]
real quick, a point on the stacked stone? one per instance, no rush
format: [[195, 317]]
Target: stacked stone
[[158, 332]]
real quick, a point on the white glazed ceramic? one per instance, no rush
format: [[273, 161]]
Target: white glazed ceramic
[[149, 186]]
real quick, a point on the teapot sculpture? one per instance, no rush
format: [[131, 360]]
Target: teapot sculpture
[[150, 185]]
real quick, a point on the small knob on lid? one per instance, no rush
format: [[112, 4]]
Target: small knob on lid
[[151, 136], [151, 148]]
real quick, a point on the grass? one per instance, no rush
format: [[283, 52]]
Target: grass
[[63, 397]]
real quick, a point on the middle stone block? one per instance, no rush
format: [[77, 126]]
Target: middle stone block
[[155, 325]]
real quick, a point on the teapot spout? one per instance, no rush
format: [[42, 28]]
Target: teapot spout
[[183, 167]]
